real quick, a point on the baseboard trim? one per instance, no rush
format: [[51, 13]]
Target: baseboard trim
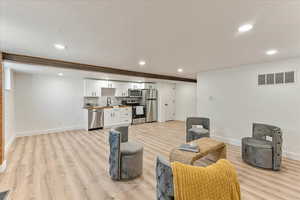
[[54, 130], [3, 166], [290, 155], [227, 140], [8, 143]]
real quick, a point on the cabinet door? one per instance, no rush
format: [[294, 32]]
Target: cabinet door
[[111, 84], [121, 89], [126, 115], [116, 116], [90, 88], [102, 83], [150, 86], [108, 117], [138, 85]]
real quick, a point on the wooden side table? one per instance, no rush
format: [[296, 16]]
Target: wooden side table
[[213, 149]]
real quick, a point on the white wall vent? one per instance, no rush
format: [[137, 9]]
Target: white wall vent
[[276, 78]]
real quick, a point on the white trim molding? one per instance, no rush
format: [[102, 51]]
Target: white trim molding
[[3, 166], [54, 130], [8, 143], [287, 154]]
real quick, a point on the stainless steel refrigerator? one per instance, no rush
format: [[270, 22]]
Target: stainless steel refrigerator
[[149, 100]]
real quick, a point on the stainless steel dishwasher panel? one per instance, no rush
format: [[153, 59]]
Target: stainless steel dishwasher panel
[[95, 119]]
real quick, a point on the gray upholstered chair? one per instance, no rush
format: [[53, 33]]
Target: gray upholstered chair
[[164, 180], [124, 132], [125, 159], [260, 152], [4, 195], [193, 133]]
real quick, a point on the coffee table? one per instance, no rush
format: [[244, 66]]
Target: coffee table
[[214, 150]]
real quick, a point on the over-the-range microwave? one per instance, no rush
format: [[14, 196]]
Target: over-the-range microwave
[[134, 93]]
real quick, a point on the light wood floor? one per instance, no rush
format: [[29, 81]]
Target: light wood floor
[[73, 165]]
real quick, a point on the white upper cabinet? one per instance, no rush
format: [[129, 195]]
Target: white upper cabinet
[[137, 86], [150, 86], [111, 84], [91, 88], [102, 83], [122, 89]]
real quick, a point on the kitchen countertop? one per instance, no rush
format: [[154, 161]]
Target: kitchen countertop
[[105, 107]]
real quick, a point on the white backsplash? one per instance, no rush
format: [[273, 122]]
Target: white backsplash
[[101, 101]]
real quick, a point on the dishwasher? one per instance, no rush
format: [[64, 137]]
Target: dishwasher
[[95, 119]]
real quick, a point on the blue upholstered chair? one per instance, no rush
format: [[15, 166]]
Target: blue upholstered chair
[[194, 133], [164, 180], [260, 152], [125, 159]]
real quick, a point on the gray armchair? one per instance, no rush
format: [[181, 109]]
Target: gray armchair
[[260, 152], [4, 195], [164, 180], [124, 132], [125, 159], [193, 133]]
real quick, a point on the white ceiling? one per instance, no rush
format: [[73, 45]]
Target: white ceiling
[[195, 35]]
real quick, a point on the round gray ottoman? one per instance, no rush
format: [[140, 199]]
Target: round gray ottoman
[[131, 160], [257, 152]]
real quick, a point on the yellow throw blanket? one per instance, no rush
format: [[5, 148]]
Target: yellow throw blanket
[[215, 182]]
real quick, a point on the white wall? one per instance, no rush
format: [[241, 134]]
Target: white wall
[[47, 103], [9, 107], [186, 95], [233, 101]]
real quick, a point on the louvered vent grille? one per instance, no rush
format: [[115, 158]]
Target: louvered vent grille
[[276, 78]]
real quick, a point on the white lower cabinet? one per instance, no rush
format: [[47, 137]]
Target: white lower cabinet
[[117, 116]]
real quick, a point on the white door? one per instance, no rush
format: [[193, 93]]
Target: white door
[[169, 102]]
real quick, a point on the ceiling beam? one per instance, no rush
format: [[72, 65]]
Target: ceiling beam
[[85, 67]]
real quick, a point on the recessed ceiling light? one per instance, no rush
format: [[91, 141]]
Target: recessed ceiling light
[[142, 63], [60, 74], [59, 46], [272, 52], [180, 70], [245, 28]]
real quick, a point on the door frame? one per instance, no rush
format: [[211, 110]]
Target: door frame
[[2, 135]]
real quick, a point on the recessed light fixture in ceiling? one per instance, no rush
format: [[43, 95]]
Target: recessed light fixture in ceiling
[[59, 46], [60, 74], [245, 28], [179, 70], [271, 52], [142, 63]]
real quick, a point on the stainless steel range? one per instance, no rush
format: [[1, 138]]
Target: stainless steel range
[[138, 111]]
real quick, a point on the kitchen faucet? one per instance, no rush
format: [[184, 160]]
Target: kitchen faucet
[[108, 101]]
